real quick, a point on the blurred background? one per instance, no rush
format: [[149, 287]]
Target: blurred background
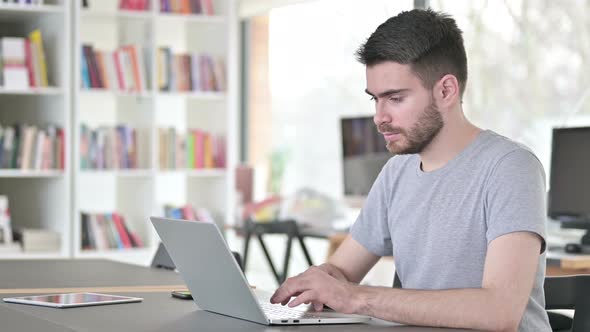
[[250, 114]]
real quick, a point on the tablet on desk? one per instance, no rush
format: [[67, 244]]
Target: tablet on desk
[[71, 300]]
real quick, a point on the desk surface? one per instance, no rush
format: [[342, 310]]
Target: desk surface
[[161, 312], [80, 273], [158, 312]]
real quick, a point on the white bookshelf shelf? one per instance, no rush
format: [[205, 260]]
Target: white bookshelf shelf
[[195, 95], [16, 9], [32, 255], [204, 173], [118, 172], [49, 91], [119, 14], [17, 173], [115, 93], [193, 18]]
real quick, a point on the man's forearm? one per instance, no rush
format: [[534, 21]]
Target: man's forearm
[[458, 308]]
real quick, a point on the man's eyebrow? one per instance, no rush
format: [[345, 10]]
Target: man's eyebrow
[[386, 92]]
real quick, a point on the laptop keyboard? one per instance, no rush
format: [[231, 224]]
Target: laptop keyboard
[[277, 311]]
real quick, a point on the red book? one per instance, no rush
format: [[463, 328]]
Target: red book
[[207, 7], [29, 63], [121, 230], [199, 149], [135, 64], [119, 70], [185, 7], [136, 240], [188, 213]]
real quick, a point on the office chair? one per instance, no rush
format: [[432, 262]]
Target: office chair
[[162, 259], [568, 292]]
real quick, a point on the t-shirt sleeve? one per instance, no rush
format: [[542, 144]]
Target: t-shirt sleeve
[[371, 228], [516, 196]]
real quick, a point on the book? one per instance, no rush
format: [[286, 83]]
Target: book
[[15, 74], [190, 71], [104, 231], [124, 236], [108, 147], [40, 240], [29, 147], [207, 7], [5, 224], [39, 52]]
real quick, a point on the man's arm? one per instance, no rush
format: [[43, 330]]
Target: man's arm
[[352, 260], [509, 272]]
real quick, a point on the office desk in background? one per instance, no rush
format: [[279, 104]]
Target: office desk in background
[[158, 312], [560, 263]]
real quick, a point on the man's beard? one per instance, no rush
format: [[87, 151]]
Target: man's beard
[[429, 124]]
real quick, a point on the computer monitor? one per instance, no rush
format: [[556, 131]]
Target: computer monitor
[[363, 154], [569, 182]]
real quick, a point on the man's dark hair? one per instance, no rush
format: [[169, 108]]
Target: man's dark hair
[[430, 42]]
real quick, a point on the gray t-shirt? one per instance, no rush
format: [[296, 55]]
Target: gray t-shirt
[[438, 224]]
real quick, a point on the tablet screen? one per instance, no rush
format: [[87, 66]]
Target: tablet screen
[[72, 299]]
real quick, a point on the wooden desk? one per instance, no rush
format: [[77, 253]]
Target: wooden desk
[[560, 263]]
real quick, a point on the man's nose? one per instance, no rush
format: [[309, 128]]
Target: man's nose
[[381, 114]]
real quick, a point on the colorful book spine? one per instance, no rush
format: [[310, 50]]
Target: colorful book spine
[[190, 72], [37, 40], [196, 149]]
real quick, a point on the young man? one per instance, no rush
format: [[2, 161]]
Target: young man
[[461, 209]]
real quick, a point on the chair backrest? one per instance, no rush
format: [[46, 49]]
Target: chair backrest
[[570, 292]]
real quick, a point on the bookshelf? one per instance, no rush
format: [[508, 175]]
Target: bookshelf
[[53, 199], [141, 192], [40, 199]]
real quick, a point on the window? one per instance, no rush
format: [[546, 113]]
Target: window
[[315, 80], [528, 66]]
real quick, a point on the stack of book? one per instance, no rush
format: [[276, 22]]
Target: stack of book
[[121, 70], [134, 4], [22, 62], [197, 149], [190, 72], [5, 227], [39, 240], [108, 147], [103, 231], [31, 148], [187, 212], [204, 7]]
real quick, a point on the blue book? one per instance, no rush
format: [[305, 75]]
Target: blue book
[[85, 74]]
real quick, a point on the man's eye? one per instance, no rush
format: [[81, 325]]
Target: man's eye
[[396, 99], [373, 98]]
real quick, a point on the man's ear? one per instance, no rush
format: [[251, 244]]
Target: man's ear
[[446, 91]]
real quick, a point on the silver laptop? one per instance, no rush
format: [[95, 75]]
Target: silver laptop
[[218, 285]]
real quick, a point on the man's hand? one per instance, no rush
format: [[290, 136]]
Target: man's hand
[[333, 271], [323, 285]]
